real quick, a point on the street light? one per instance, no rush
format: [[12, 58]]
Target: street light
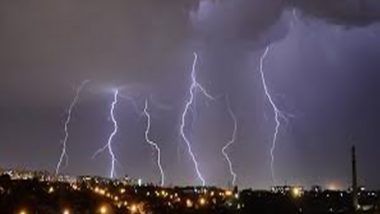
[[103, 210], [66, 211], [23, 212]]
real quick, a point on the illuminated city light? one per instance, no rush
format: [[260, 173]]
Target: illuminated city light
[[202, 201], [122, 190], [228, 193], [51, 190], [75, 187], [23, 212], [103, 209], [297, 192], [133, 208], [66, 211], [332, 186], [214, 200], [189, 203]]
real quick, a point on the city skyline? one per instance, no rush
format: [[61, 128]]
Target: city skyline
[[299, 75]]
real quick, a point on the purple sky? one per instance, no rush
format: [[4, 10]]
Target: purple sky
[[322, 71]]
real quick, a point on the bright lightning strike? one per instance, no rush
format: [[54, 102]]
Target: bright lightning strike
[[194, 86], [232, 141], [114, 132], [277, 112], [66, 127], [152, 143]]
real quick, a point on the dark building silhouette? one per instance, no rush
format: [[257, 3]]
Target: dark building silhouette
[[355, 201]]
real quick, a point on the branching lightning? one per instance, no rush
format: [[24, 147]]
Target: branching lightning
[[114, 132], [66, 127], [232, 141], [132, 101], [277, 112], [192, 90], [152, 143]]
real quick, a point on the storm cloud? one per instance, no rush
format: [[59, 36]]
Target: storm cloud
[[323, 58]]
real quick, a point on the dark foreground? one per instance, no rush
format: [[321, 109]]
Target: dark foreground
[[111, 197]]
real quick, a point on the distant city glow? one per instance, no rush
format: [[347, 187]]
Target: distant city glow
[[296, 192], [152, 199], [333, 186]]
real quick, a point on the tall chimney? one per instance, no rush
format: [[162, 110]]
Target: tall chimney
[[355, 201]]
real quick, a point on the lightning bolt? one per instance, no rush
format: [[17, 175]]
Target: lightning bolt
[[152, 143], [232, 141], [277, 113], [192, 90], [114, 132], [66, 127]]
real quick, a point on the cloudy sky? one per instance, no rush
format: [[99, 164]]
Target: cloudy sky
[[322, 71]]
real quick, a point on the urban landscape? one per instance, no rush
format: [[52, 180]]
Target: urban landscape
[[189, 107], [24, 192]]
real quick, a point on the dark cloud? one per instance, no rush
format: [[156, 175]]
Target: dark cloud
[[55, 44], [347, 12], [237, 24]]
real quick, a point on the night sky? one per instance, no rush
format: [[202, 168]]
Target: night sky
[[322, 71]]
